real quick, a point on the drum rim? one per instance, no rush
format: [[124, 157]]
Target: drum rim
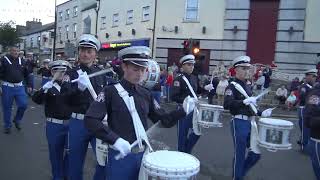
[[279, 127], [273, 146], [154, 169], [269, 120]]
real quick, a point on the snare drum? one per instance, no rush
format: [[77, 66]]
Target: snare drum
[[274, 134], [152, 75], [170, 165], [206, 116]]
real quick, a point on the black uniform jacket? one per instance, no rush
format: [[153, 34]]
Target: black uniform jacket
[[180, 90], [54, 103], [312, 112], [79, 101], [120, 122], [233, 100]]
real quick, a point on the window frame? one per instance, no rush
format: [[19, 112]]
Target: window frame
[[67, 14], [75, 11], [115, 22], [143, 14], [103, 22], [186, 11], [128, 17]]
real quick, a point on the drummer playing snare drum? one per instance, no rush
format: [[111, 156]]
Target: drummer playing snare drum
[[239, 107], [120, 132], [312, 121]]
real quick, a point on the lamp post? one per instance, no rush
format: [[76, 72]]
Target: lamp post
[[54, 31]]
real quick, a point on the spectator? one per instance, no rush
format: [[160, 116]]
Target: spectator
[[282, 94], [267, 72], [294, 84], [163, 78], [156, 91], [291, 101], [223, 83], [211, 86], [260, 82], [273, 65], [169, 83]]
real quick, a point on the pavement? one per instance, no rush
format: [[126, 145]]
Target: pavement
[[24, 154]]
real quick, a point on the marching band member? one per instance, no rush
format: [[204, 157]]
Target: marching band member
[[304, 89], [243, 113], [121, 124], [45, 72], [57, 116], [312, 121], [78, 99], [13, 72], [180, 90]]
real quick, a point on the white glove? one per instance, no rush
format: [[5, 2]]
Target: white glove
[[189, 104], [267, 112], [122, 146], [83, 81], [250, 100], [208, 87], [47, 85]]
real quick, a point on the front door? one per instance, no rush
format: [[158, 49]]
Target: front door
[[262, 30]]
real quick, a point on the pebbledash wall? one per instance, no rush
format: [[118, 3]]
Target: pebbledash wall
[[297, 36]]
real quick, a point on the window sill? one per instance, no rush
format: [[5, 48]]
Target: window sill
[[114, 26], [190, 21], [145, 20], [129, 23]]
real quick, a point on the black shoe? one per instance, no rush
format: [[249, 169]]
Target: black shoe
[[17, 125], [7, 131]]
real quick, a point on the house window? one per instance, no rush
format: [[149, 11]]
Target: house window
[[146, 13], [60, 16], [39, 40], [115, 20], [59, 33], [67, 32], [75, 11], [67, 13], [192, 10], [31, 42], [74, 30], [103, 22], [130, 17]]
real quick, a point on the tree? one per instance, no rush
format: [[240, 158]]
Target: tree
[[8, 35]]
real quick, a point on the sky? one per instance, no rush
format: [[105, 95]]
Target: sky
[[21, 11]]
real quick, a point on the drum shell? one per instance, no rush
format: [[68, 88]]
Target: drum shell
[[274, 136], [152, 169], [152, 75], [209, 115]]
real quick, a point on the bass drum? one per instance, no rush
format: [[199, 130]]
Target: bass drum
[[152, 75]]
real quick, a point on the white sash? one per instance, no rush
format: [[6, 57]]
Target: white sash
[[254, 135], [138, 127], [8, 60], [190, 87]]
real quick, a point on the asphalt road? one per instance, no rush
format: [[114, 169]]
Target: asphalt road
[[24, 154]]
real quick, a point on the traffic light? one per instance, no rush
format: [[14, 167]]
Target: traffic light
[[195, 47], [186, 46]]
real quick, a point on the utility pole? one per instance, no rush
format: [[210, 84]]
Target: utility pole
[[154, 27], [54, 31], [97, 16]]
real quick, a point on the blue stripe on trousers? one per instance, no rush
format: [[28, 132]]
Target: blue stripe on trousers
[[186, 137], [8, 95], [241, 130], [123, 169], [57, 137], [79, 138], [314, 153]]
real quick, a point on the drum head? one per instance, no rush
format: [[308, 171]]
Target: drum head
[[171, 163], [152, 75], [275, 122]]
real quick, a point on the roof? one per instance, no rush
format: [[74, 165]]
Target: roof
[[94, 5], [44, 27]]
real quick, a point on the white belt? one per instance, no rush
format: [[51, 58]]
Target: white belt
[[12, 84], [316, 140], [244, 117], [301, 107], [54, 120], [45, 77], [77, 116]]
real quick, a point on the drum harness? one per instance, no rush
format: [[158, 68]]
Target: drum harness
[[195, 126], [254, 135]]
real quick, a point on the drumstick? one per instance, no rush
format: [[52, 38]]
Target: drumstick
[[117, 157], [263, 93], [97, 74]]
